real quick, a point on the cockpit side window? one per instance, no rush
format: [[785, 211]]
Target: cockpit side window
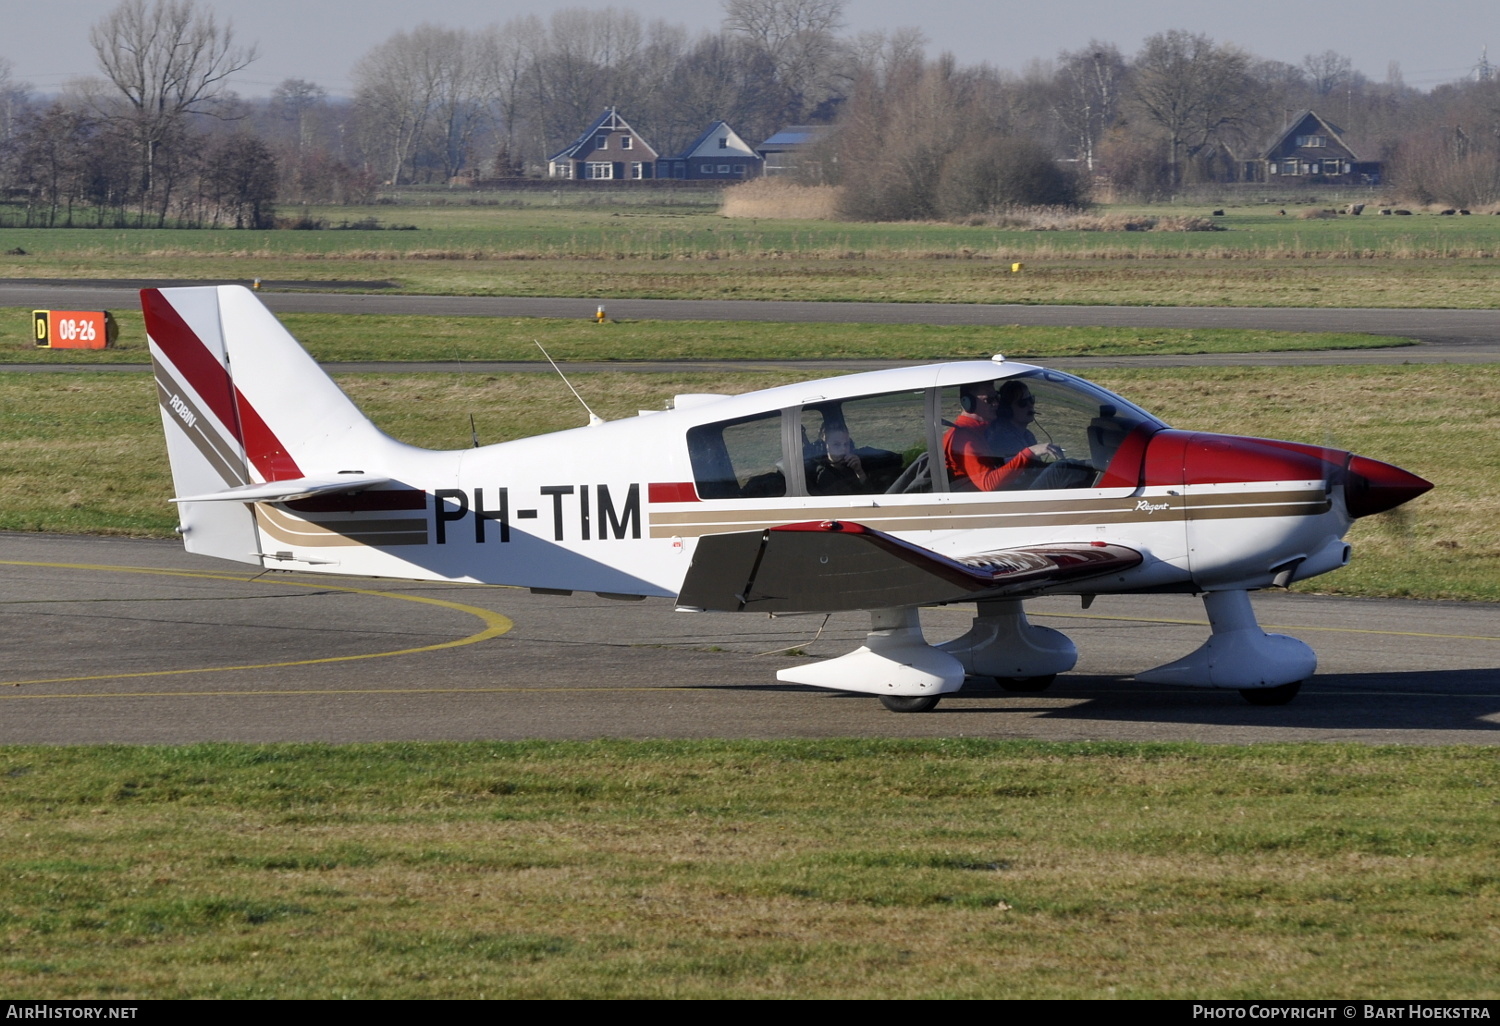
[[1070, 429], [739, 459]]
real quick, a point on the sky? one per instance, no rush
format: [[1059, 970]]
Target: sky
[[320, 40]]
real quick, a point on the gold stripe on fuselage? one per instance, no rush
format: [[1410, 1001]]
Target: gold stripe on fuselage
[[950, 515]]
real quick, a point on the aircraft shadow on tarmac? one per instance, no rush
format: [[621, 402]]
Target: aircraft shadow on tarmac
[[1438, 700]]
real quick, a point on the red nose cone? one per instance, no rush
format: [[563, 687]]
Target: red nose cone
[[1374, 487]]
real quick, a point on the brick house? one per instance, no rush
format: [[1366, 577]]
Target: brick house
[[608, 150]]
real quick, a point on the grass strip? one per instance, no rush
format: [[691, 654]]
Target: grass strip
[[1260, 258], [833, 869], [377, 337], [1049, 278], [83, 453], [453, 232]]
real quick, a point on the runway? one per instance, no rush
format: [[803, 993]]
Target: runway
[[127, 641]]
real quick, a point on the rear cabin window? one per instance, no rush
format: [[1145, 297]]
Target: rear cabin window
[[739, 459], [867, 446]]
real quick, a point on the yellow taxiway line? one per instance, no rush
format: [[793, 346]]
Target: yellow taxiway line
[[495, 624]]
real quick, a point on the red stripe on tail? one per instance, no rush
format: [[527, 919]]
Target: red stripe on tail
[[213, 384]]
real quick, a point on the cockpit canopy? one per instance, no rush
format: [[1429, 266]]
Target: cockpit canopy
[[897, 442]]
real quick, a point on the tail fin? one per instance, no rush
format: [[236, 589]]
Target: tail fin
[[242, 403]]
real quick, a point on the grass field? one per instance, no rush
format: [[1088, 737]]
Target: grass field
[[335, 337], [744, 869], [83, 452], [1261, 259]]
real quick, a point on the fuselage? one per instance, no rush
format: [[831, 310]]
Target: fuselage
[[618, 508]]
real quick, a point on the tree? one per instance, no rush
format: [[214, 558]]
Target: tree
[[504, 58], [1192, 89], [721, 76], [239, 180], [168, 59], [924, 140], [404, 84], [990, 173], [294, 101], [798, 36], [13, 96], [50, 147], [1327, 71], [1090, 83], [590, 60]]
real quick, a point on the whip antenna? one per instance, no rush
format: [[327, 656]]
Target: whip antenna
[[594, 418]]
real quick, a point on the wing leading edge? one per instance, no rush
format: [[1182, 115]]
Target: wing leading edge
[[833, 565]]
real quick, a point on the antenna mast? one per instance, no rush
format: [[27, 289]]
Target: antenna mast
[[594, 419]]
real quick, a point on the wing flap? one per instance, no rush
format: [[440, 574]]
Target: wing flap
[[291, 490], [831, 566]]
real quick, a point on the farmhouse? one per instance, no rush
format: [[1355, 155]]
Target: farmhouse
[[609, 149], [718, 154], [1311, 149]]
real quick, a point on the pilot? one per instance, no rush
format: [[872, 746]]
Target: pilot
[[990, 446], [839, 470]]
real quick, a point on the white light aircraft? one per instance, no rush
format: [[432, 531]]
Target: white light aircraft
[[884, 491]]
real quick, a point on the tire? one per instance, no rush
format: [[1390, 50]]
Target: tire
[[1032, 684], [909, 703], [1272, 696]]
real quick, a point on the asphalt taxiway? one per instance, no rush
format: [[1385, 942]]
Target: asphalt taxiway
[[1447, 336], [128, 641], [111, 640]]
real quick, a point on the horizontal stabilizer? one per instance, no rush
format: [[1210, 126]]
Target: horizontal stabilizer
[[831, 565], [288, 491]]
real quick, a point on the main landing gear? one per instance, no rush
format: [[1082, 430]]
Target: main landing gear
[[910, 675]]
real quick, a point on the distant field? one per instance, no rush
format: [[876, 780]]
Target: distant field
[[84, 452], [812, 869], [463, 232], [335, 337], [1262, 259]]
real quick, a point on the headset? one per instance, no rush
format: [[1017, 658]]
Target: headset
[[966, 395]]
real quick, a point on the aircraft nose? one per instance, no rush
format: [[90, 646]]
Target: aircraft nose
[[1374, 487]]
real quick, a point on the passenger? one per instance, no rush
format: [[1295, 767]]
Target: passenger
[[989, 446], [839, 470]]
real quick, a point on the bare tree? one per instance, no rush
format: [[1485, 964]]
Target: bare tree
[[1327, 71], [398, 88], [1192, 89], [1090, 83], [505, 56], [798, 36], [13, 97], [294, 100], [720, 77], [590, 60], [168, 59]]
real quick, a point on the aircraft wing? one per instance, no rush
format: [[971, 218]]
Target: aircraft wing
[[291, 490], [832, 565]]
